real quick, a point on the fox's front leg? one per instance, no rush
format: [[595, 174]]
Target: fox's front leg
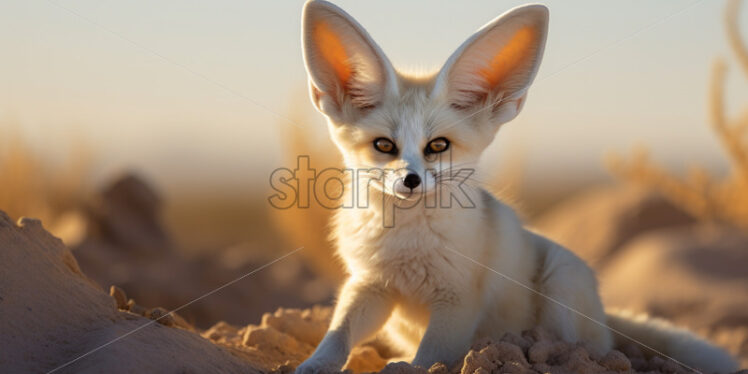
[[362, 309], [449, 333]]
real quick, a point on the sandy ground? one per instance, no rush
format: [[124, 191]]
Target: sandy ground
[[651, 257], [56, 318]]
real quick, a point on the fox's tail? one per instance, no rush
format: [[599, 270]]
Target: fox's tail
[[679, 344]]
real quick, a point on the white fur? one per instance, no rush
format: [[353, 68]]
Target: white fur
[[413, 279], [675, 342]]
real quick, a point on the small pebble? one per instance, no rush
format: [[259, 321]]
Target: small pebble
[[402, 368], [135, 308], [517, 340], [161, 316], [670, 366], [119, 296], [638, 363], [512, 367], [285, 368], [542, 368], [616, 361], [632, 351], [439, 368], [656, 362], [511, 353]]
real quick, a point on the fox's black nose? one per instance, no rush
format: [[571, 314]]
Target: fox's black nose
[[412, 181]]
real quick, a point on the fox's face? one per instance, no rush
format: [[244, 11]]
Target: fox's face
[[414, 133]]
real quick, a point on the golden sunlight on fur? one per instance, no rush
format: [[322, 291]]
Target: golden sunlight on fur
[[332, 51], [516, 51]]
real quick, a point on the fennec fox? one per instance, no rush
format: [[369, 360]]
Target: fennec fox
[[434, 277]]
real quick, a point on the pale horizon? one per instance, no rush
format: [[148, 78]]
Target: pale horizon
[[186, 92]]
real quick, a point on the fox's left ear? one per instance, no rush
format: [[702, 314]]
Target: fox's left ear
[[493, 69]]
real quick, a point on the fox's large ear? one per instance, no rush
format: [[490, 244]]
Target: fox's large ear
[[348, 72], [493, 69]]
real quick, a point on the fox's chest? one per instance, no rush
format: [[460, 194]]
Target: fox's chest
[[410, 238], [416, 257]]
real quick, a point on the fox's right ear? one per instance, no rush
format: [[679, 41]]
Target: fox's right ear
[[348, 73]]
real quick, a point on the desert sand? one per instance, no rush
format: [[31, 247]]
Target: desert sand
[[55, 318]]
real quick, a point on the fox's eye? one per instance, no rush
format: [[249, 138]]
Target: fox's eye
[[385, 145], [437, 145]]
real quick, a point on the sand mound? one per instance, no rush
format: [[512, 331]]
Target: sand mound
[[54, 317], [652, 258], [705, 264], [123, 241], [597, 223], [52, 314]]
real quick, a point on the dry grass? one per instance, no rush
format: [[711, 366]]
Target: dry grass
[[30, 187], [309, 227], [705, 196]]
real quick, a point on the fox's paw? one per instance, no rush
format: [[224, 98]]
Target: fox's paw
[[317, 366]]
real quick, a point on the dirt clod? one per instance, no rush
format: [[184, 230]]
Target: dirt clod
[[119, 296], [161, 316], [616, 361]]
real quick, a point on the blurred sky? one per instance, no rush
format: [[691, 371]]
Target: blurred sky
[[191, 90]]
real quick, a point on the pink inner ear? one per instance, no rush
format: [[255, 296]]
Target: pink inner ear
[[514, 54], [333, 52]]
